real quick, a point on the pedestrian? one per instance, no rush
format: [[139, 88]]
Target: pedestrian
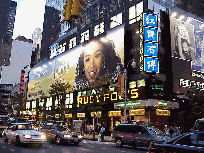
[[102, 131], [171, 131], [175, 131], [91, 129]]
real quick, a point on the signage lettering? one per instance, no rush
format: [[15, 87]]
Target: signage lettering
[[132, 94], [191, 84]]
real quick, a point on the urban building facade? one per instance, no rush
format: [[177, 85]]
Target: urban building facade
[[8, 13], [117, 43]]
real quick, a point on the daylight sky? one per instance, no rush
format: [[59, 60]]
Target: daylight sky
[[29, 16]]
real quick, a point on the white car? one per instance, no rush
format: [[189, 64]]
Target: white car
[[23, 133]]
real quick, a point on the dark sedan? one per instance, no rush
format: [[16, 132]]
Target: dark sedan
[[187, 142], [60, 134]]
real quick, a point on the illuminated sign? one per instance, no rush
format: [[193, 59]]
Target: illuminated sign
[[80, 114], [191, 84], [150, 20], [70, 67], [150, 49], [128, 104], [150, 34], [131, 94], [149, 43], [56, 115], [98, 114], [151, 64], [162, 112], [157, 86], [22, 81], [162, 103], [114, 113], [68, 115], [137, 112]]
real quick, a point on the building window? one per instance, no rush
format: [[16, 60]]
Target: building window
[[134, 12], [99, 29], [62, 48], [72, 42], [4, 59], [116, 20], [84, 36], [49, 103]]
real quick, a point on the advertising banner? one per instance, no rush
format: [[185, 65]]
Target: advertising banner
[[81, 66], [187, 38]]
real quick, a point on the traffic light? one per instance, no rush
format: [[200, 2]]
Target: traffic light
[[76, 7], [22, 81], [67, 11]]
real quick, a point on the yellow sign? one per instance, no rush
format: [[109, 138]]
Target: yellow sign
[[162, 112], [96, 115], [80, 114], [114, 113], [56, 115], [137, 112], [68, 115]]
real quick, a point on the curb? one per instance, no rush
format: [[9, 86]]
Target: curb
[[96, 139]]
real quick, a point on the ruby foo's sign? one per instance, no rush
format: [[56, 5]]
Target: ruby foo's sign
[[113, 96]]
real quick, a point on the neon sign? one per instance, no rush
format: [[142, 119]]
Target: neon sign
[[113, 96], [149, 43]]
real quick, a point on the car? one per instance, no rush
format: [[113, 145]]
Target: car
[[135, 135], [187, 142], [23, 133], [60, 134]]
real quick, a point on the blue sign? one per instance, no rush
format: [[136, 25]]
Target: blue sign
[[150, 49], [149, 20], [150, 34], [151, 64]]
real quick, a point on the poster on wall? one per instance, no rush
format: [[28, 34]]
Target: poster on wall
[[187, 38], [81, 66]]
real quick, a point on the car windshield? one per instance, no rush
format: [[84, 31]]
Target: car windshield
[[155, 131], [24, 127], [61, 128]]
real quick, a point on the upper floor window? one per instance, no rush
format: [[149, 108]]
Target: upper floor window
[[98, 29], [134, 12], [116, 20], [84, 36], [72, 42], [62, 48]]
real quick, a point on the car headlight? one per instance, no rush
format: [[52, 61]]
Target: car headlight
[[67, 136], [43, 136], [27, 136], [80, 136]]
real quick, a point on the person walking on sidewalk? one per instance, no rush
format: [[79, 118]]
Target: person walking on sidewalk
[[102, 133]]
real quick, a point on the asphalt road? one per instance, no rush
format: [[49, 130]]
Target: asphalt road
[[86, 146]]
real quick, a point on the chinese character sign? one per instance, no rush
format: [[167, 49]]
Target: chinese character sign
[[150, 49], [150, 20], [150, 34], [151, 64]]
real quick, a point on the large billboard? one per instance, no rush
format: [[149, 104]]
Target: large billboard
[[81, 66], [187, 38]]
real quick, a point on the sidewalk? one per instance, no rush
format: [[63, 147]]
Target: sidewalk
[[90, 137]]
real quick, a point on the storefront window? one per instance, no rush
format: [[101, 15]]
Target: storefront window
[[49, 103]]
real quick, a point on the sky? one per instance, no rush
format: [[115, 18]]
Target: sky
[[29, 16]]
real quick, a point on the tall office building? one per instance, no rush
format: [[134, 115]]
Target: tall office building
[[7, 18]]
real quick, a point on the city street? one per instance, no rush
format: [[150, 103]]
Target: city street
[[85, 146]]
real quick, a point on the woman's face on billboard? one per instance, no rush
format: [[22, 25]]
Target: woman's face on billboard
[[93, 57]]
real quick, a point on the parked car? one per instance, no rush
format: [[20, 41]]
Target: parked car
[[135, 135], [60, 134], [23, 133], [187, 142]]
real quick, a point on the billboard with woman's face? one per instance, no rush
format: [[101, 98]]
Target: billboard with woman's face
[[82, 66]]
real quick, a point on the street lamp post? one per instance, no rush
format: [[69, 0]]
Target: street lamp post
[[133, 64]]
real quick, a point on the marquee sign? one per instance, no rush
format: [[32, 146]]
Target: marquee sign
[[113, 96], [191, 84], [149, 43]]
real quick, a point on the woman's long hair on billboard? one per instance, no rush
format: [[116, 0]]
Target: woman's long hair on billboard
[[108, 65]]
